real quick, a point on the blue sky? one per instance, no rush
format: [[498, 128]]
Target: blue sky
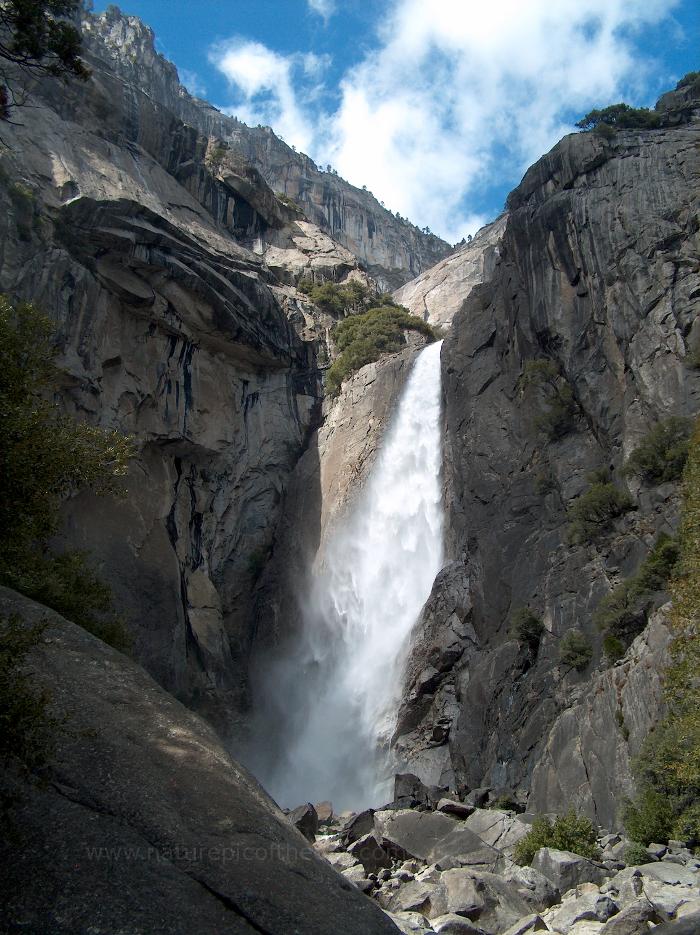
[[438, 106]]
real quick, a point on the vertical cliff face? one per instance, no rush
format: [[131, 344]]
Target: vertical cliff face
[[392, 250], [599, 273], [170, 329]]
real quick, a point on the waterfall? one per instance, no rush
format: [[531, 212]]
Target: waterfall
[[343, 684]]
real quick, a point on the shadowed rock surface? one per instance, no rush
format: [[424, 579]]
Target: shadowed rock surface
[[144, 824], [599, 273]]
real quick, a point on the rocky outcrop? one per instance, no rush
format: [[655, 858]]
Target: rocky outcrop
[[434, 872], [393, 250], [438, 293], [171, 330], [599, 273], [142, 823]]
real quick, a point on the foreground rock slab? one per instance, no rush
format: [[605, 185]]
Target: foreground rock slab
[[144, 823]]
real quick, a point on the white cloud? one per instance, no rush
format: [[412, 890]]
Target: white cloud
[[267, 85], [455, 95], [324, 8]]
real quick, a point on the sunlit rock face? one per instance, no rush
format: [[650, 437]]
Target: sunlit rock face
[[438, 293], [392, 250], [598, 271]]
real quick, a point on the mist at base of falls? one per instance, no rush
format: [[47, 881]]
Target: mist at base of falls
[[337, 691]]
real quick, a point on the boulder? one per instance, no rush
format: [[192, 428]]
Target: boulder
[[497, 828], [145, 823], [357, 876], [456, 809], [632, 920], [410, 792], [324, 810], [687, 925], [417, 896], [357, 826], [305, 819], [591, 907], [432, 837], [538, 891], [533, 923], [341, 860], [410, 923], [477, 797], [566, 870], [452, 924], [370, 853]]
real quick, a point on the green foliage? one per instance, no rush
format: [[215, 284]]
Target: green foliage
[[528, 628], [667, 769], [649, 819], [216, 156], [25, 726], [613, 647], [636, 854], [336, 300], [622, 117], [552, 396], [661, 456], [363, 338], [569, 832], [623, 612], [592, 514], [46, 456], [38, 39], [575, 650]]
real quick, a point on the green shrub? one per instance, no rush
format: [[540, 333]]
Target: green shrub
[[649, 819], [575, 650], [527, 628], [623, 613], [667, 769], [336, 300], [592, 514], [661, 456], [613, 647], [25, 725], [622, 117], [569, 832], [552, 396], [636, 854], [363, 338], [45, 457]]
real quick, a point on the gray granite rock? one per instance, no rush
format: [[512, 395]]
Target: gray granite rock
[[144, 823]]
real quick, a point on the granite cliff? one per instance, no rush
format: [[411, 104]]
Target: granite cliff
[[392, 250], [599, 273], [151, 228]]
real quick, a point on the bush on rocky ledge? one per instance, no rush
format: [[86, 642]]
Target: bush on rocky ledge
[[569, 832], [621, 117], [592, 514], [661, 456], [552, 397], [668, 766], [622, 614], [575, 651], [362, 339]]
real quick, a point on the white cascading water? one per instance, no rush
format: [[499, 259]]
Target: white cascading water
[[343, 686]]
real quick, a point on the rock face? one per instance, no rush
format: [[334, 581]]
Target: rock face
[[438, 293], [392, 250], [144, 824], [599, 273]]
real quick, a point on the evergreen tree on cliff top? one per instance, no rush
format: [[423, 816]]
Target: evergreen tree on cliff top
[[37, 39]]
